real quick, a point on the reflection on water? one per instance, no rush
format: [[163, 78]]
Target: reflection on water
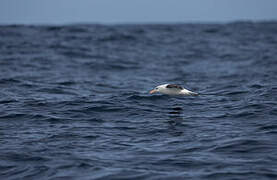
[[175, 120]]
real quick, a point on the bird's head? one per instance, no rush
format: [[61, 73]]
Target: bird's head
[[157, 89]]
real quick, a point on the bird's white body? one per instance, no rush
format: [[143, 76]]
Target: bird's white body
[[171, 89]]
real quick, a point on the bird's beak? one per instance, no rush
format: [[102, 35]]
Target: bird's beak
[[152, 91]]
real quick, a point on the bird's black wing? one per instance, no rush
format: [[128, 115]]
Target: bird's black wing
[[174, 86]]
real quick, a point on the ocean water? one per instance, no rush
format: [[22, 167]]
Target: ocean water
[[74, 101]]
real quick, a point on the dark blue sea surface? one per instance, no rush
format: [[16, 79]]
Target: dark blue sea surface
[[74, 101]]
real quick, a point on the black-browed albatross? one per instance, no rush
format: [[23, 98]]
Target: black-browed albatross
[[172, 89]]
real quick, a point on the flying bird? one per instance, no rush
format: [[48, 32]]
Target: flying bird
[[172, 89]]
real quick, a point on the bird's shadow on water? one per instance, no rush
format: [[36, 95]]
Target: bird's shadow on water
[[176, 120]]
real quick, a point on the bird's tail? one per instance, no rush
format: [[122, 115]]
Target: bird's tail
[[193, 93], [203, 94], [210, 94]]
